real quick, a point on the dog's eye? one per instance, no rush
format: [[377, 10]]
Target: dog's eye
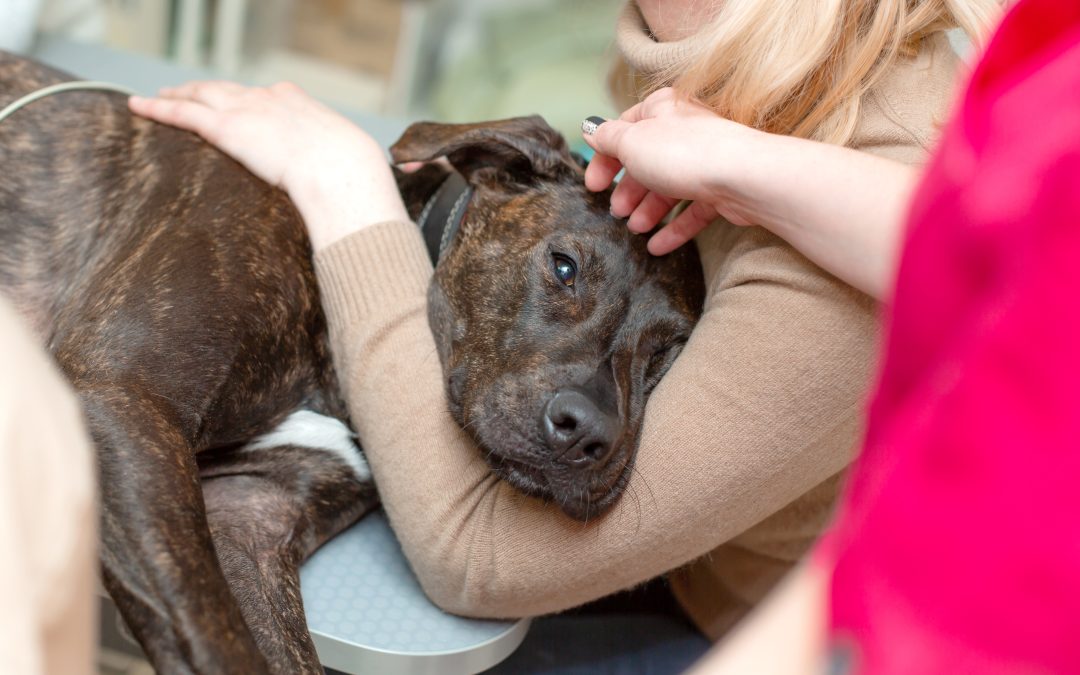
[[565, 270]]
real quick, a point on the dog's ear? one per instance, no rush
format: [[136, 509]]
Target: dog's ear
[[523, 147]]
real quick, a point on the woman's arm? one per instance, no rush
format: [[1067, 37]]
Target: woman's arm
[[762, 405], [49, 567], [841, 208], [785, 635]]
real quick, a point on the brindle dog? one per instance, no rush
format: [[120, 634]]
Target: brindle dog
[[176, 292]]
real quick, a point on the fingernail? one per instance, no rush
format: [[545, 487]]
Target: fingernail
[[591, 124]]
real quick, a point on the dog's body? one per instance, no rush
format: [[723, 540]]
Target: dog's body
[[176, 292]]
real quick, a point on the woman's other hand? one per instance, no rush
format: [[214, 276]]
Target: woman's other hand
[[672, 149], [336, 174], [841, 208]]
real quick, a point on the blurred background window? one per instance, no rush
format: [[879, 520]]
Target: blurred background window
[[450, 60]]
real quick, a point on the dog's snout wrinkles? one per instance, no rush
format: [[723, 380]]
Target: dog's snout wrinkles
[[577, 431]]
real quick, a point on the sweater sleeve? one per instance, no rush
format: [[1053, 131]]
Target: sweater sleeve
[[762, 405]]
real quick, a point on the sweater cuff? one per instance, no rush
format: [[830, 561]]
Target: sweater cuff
[[372, 270]]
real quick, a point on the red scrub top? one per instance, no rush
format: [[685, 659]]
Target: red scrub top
[[957, 547]]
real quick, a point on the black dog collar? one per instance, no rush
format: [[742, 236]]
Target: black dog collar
[[442, 215]]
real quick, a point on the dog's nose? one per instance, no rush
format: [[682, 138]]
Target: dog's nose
[[577, 431]]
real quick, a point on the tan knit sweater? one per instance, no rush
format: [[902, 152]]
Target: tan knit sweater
[[743, 439]]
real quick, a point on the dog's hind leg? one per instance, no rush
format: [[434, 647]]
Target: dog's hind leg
[[270, 505], [157, 556]]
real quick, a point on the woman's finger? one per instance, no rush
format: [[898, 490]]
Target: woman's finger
[[176, 112], [682, 228], [633, 113], [216, 94], [626, 197], [604, 136], [601, 172], [655, 103], [650, 106], [653, 207]]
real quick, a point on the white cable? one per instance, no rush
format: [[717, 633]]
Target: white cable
[[10, 109]]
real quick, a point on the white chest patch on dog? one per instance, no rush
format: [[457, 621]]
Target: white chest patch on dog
[[309, 429]]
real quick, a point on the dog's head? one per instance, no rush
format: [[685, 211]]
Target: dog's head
[[553, 322]]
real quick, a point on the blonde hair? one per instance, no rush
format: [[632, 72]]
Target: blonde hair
[[801, 67]]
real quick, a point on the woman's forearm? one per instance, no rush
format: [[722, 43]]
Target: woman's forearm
[[794, 614], [841, 208], [706, 469]]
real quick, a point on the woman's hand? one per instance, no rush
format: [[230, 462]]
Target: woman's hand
[[841, 208], [673, 150], [335, 173]]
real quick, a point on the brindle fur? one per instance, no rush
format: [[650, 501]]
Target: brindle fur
[[510, 335], [177, 294]]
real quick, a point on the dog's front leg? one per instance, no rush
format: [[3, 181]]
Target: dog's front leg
[[157, 556], [269, 509]]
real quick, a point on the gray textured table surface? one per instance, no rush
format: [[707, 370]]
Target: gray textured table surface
[[367, 613], [365, 608]]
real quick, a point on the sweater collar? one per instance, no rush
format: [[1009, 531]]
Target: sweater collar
[[642, 51]]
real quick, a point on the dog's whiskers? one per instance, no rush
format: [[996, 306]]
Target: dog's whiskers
[[588, 504], [433, 352], [652, 495], [637, 506]]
